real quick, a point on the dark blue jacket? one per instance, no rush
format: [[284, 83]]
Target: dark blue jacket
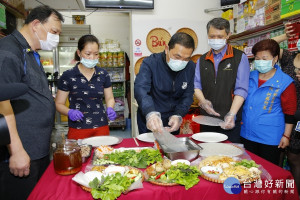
[[158, 88]]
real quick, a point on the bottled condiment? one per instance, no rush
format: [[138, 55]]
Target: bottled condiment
[[115, 59], [121, 61], [109, 59], [103, 58], [67, 158]]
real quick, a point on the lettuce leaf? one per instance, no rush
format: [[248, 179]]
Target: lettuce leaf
[[135, 159], [183, 174], [111, 188]]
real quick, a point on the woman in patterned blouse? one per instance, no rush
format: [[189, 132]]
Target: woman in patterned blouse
[[86, 86], [290, 64]]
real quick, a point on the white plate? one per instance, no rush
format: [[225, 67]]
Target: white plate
[[174, 162], [102, 140], [207, 120], [209, 137], [221, 149], [146, 137]]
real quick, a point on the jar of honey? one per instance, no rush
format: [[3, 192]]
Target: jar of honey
[[67, 158]]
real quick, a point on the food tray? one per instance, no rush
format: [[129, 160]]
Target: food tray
[[157, 182], [211, 179], [101, 168], [119, 149], [191, 154], [222, 181], [163, 184]]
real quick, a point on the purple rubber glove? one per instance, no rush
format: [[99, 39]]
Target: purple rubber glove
[[111, 114], [75, 115]]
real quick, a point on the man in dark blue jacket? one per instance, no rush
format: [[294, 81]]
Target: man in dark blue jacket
[[164, 86]]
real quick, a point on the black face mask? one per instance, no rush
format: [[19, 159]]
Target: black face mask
[[4, 133]]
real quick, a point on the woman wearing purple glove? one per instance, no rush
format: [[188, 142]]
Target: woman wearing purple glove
[[86, 85], [111, 114]]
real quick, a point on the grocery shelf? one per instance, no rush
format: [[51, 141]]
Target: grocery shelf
[[208, 10], [117, 81], [256, 31], [260, 30]]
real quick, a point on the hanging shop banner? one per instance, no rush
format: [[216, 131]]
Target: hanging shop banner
[[157, 39], [2, 16], [191, 33]]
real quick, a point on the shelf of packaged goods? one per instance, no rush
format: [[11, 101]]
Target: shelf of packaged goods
[[13, 10], [256, 31], [117, 81], [259, 30], [118, 95]]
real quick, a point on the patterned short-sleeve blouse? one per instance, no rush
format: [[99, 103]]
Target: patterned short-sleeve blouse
[[287, 65], [86, 96]]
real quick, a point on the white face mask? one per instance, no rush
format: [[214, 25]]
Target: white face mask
[[50, 43], [216, 44]]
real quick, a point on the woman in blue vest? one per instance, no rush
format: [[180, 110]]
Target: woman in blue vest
[[268, 111]]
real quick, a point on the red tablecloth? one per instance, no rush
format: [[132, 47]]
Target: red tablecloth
[[53, 186]]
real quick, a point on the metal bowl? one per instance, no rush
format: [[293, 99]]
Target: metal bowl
[[191, 154], [88, 150]]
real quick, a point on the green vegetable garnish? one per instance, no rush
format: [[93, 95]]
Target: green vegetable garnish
[[247, 163], [111, 188], [182, 174], [135, 159]]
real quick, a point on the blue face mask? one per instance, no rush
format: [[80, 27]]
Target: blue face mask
[[88, 62], [263, 66], [176, 65], [298, 45]]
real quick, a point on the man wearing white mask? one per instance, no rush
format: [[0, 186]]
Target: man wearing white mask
[[221, 81], [164, 86], [24, 160]]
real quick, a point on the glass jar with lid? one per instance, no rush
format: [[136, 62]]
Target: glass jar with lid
[[67, 158]]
